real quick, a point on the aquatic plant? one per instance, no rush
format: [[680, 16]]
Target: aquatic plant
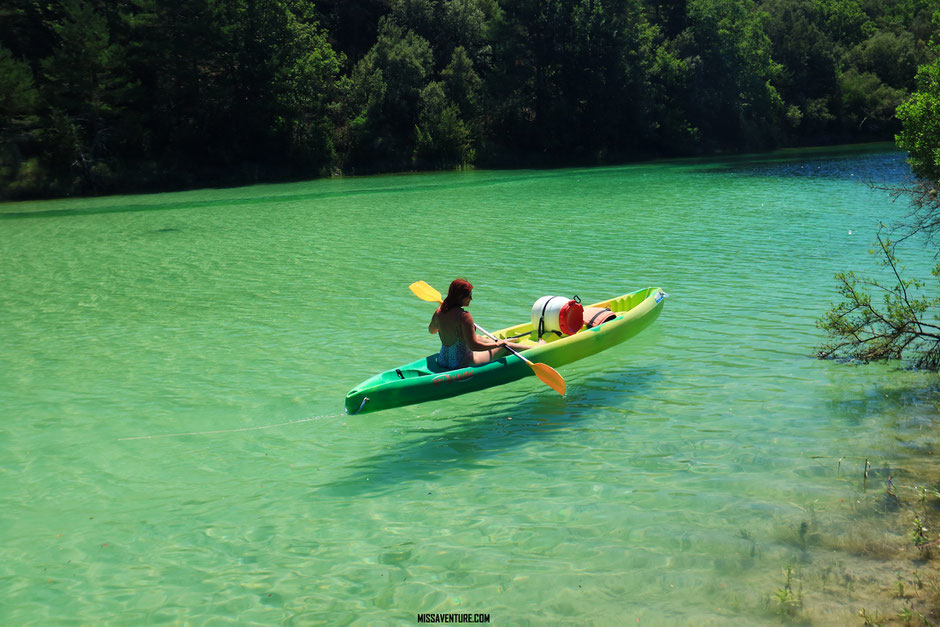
[[890, 502], [871, 619], [788, 603], [824, 575], [745, 535], [919, 533], [924, 494], [806, 534]]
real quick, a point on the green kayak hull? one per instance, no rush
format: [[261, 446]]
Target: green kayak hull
[[423, 380]]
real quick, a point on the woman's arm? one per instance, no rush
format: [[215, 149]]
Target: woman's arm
[[434, 327], [477, 342]]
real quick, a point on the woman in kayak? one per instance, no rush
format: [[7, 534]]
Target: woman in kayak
[[460, 345]]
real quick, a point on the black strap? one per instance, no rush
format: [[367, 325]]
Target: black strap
[[599, 313], [542, 318], [398, 370], [541, 328]]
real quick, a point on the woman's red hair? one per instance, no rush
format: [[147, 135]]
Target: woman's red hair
[[459, 290]]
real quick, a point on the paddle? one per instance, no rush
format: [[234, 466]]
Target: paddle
[[548, 375]]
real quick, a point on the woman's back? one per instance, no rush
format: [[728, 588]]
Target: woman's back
[[451, 326], [459, 340]]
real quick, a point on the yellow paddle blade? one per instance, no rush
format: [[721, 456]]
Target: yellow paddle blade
[[425, 292], [549, 377]]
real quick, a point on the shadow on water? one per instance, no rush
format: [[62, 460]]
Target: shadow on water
[[876, 162], [896, 402], [436, 451], [183, 204], [885, 165], [409, 186]]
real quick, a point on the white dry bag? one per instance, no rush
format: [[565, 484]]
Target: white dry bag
[[557, 314]]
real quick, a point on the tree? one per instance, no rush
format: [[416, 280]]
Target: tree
[[863, 329], [285, 74], [670, 77], [844, 21], [731, 97], [449, 24], [97, 94], [891, 56], [867, 100], [570, 78], [261, 68], [18, 94], [443, 139], [352, 26], [920, 116], [383, 99], [808, 81], [462, 84], [86, 83], [19, 100], [903, 325], [605, 79], [184, 57]]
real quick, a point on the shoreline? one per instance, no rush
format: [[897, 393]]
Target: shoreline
[[211, 183]]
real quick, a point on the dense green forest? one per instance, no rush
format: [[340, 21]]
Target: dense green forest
[[123, 95]]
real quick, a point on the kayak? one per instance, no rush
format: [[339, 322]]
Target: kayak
[[424, 380]]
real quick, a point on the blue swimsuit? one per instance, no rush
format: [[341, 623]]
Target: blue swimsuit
[[453, 356]]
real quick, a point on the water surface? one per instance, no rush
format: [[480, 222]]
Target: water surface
[[173, 369]]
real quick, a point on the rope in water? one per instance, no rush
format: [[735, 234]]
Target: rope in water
[[178, 435]]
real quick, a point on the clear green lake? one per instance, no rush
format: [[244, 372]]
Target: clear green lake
[[173, 446]]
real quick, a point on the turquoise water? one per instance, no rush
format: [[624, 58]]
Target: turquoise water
[[173, 367]]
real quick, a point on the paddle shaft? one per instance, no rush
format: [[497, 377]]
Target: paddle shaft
[[548, 375], [511, 349]]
